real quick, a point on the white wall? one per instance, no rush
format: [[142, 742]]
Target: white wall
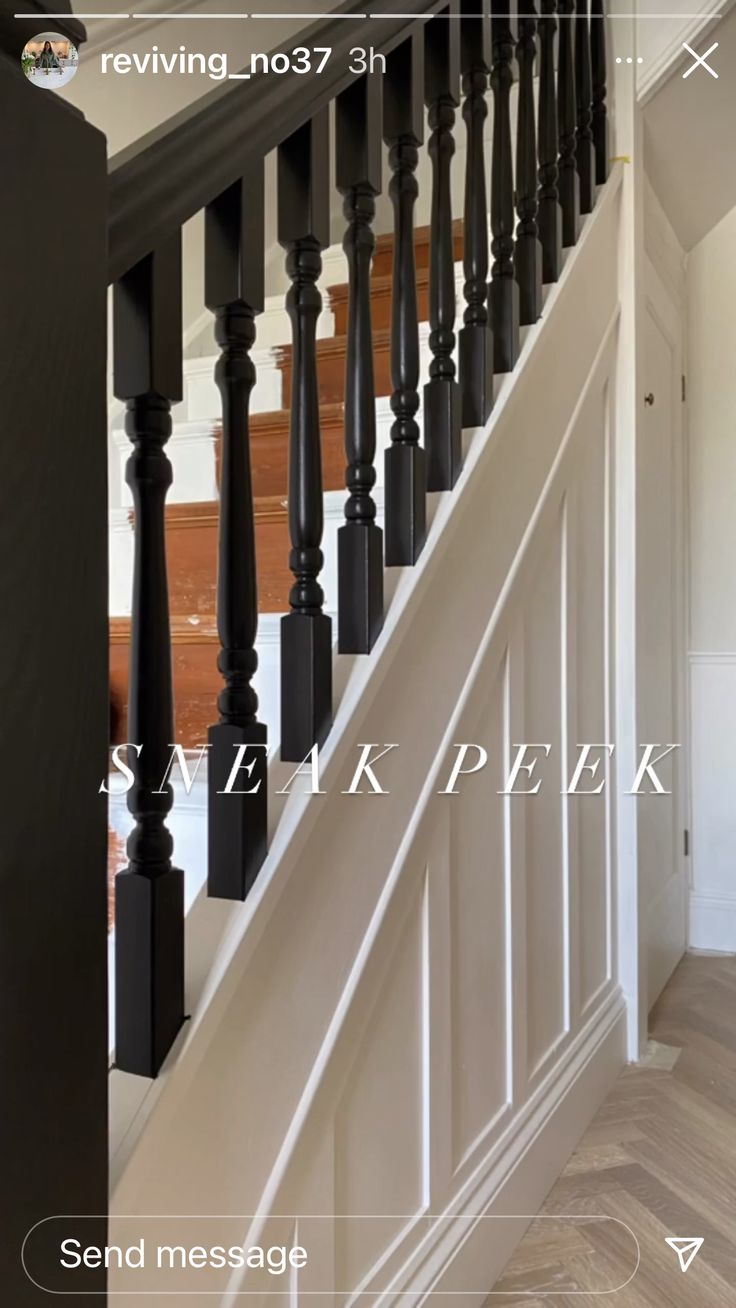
[[711, 284]]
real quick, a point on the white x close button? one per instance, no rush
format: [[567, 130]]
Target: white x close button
[[700, 60]]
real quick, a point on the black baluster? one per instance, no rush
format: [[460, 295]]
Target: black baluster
[[306, 632], [584, 152], [360, 540], [600, 112], [528, 253], [476, 338], [504, 289], [442, 397], [406, 477], [549, 218], [568, 180], [149, 893], [234, 258]]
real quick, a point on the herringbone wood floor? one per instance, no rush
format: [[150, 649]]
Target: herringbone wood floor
[[661, 1157]]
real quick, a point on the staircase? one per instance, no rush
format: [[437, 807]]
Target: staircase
[[397, 1003], [440, 1059]]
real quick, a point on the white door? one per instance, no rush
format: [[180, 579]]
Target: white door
[[660, 622]]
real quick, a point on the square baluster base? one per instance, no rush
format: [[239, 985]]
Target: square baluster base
[[237, 823], [406, 504], [569, 188], [504, 301], [306, 683], [359, 587], [442, 433], [601, 143], [585, 157], [549, 222], [475, 348], [528, 268], [149, 968]]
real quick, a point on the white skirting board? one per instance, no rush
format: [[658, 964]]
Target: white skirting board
[[713, 820], [713, 922]]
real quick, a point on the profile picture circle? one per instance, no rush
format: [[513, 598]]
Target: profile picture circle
[[50, 60]]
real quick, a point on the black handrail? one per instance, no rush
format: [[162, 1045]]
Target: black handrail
[[175, 170]]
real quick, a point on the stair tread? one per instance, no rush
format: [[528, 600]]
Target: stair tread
[[332, 410], [328, 345], [422, 237], [204, 510], [183, 630], [381, 284]]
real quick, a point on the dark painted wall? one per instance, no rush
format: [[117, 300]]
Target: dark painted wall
[[53, 671]]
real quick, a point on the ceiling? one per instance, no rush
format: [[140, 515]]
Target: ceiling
[[689, 143]]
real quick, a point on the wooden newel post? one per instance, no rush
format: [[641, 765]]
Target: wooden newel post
[[149, 893], [233, 277], [549, 213], [360, 540], [53, 539], [476, 338], [528, 252], [406, 474], [442, 397], [306, 632], [504, 289]]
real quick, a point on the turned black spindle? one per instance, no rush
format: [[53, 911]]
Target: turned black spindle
[[504, 289], [549, 216], [149, 893], [306, 632], [584, 151], [475, 340], [406, 477], [528, 253], [360, 540], [598, 67], [237, 819], [442, 397], [568, 179]]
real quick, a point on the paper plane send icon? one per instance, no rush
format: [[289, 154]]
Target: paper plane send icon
[[686, 1247]]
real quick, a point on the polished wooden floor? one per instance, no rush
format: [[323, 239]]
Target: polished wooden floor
[[660, 1157]]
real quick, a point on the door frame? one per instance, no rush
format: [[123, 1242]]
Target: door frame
[[662, 306]]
